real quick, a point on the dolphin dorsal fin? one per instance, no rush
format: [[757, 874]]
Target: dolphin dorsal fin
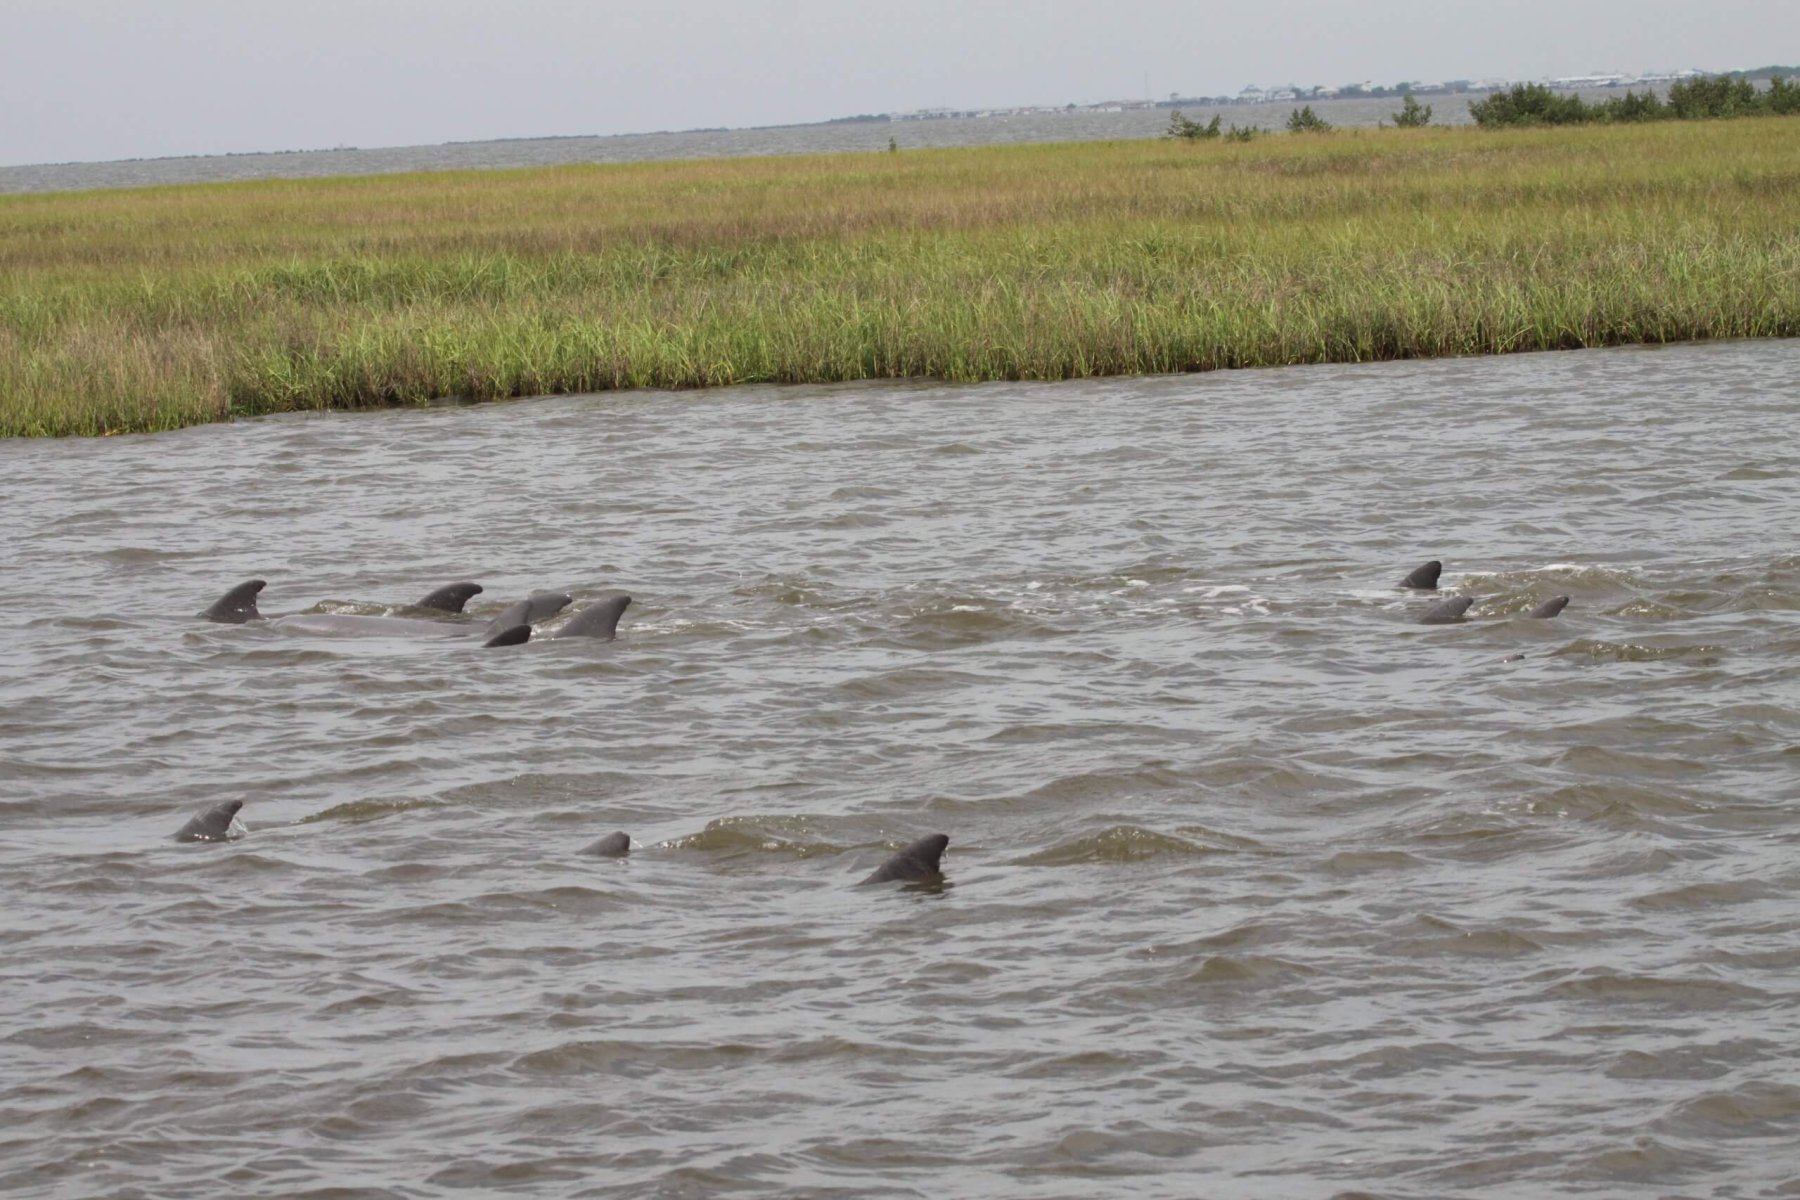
[[598, 620], [236, 606], [451, 597]]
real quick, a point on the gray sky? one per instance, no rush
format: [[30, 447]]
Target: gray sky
[[104, 79]]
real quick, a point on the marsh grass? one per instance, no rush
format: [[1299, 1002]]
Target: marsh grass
[[150, 309]]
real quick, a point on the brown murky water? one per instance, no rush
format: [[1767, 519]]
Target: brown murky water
[[1255, 887]]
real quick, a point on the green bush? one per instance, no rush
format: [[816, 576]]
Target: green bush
[[1529, 104], [1632, 106], [1244, 134], [1714, 96], [1412, 115], [1181, 127], [1708, 97], [1783, 98], [1305, 120]]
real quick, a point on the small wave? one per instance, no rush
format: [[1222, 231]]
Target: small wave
[[1695, 995], [358, 812], [788, 837], [1707, 896], [1591, 578], [1700, 654], [1367, 862], [1645, 1159], [906, 682], [865, 492], [1091, 785], [1246, 968], [1120, 844], [1471, 943], [855, 520], [1756, 1109]]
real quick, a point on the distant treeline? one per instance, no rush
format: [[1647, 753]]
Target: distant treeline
[[1762, 73], [1708, 97]]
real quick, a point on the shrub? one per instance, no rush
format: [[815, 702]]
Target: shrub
[[1529, 104], [1412, 115], [1632, 106], [1181, 127], [1235, 134], [1783, 98], [1714, 96], [1305, 120]]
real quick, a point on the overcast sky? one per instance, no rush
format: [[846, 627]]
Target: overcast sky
[[105, 79]]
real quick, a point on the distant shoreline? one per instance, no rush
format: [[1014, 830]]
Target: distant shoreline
[[161, 170]]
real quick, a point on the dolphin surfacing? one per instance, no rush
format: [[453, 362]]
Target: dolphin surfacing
[[216, 824], [450, 598], [1447, 612], [237, 606], [613, 845], [536, 607], [917, 863], [598, 620], [1424, 578], [1549, 608]]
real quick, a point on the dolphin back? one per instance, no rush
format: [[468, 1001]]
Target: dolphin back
[[1447, 612], [1424, 577], [236, 606], [529, 611], [451, 597], [1549, 608], [598, 620], [613, 845], [918, 861], [216, 824]]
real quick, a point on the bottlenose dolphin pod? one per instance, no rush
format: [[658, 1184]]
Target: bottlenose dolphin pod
[[598, 620], [1425, 577], [216, 824], [511, 627], [917, 863], [1447, 612], [613, 845], [1549, 608], [238, 606]]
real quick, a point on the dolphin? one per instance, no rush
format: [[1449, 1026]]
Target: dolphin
[[1447, 612], [1424, 578], [216, 824], [613, 845], [451, 597], [236, 606], [917, 863], [1549, 608], [598, 620], [538, 606]]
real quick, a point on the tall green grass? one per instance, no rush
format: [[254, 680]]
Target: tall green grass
[[150, 309]]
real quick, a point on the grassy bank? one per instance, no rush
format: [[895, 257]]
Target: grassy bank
[[136, 310]]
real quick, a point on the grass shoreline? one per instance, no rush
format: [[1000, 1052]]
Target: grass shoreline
[[163, 307]]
